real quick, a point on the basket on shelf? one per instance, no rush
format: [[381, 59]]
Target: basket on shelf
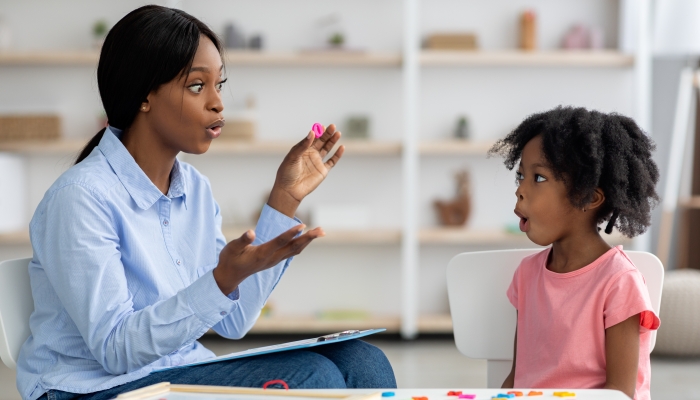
[[30, 127]]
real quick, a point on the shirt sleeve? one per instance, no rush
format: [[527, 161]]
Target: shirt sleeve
[[78, 248], [512, 291], [628, 296], [252, 293]]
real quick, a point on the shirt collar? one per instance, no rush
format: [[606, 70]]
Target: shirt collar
[[140, 188]]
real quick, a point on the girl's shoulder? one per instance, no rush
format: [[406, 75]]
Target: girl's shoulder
[[534, 260], [617, 262]]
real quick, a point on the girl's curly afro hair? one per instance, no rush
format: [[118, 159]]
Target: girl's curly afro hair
[[588, 150]]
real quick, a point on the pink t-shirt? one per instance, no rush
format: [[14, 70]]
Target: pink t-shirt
[[562, 320]]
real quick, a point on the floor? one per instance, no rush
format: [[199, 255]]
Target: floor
[[436, 363]]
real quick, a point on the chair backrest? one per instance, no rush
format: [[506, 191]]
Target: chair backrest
[[484, 320], [16, 305]]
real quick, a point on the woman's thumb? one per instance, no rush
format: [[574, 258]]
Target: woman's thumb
[[246, 239]]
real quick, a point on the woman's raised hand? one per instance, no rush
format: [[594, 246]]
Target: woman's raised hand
[[239, 259], [303, 169]]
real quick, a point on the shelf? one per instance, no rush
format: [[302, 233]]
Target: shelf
[[353, 147], [692, 202], [429, 236], [435, 323], [55, 58], [15, 239], [218, 147], [312, 325], [233, 58], [349, 237], [372, 237], [428, 58], [514, 58], [605, 58], [462, 236], [45, 147], [321, 58]]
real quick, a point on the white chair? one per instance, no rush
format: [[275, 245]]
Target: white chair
[[484, 320], [16, 305]]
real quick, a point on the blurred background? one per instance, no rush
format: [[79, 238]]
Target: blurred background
[[420, 90]]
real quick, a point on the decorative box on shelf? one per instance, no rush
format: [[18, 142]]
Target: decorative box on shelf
[[29, 127]]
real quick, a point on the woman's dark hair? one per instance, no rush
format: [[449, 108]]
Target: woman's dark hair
[[150, 46], [588, 150]]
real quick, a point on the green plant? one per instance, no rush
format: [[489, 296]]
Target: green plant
[[100, 28], [337, 39]]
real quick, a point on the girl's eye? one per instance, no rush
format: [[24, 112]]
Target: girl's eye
[[196, 88], [518, 177], [539, 178]]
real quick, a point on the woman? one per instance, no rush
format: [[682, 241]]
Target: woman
[[130, 267]]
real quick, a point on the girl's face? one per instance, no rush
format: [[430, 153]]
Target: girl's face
[[545, 212], [186, 112]]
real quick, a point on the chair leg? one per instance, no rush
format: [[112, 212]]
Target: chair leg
[[497, 371]]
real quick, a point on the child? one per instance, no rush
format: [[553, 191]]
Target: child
[[584, 314]]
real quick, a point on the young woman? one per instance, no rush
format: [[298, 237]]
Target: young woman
[[130, 266]]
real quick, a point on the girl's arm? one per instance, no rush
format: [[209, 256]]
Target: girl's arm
[[509, 383], [622, 355]]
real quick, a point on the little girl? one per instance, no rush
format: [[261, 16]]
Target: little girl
[[584, 314]]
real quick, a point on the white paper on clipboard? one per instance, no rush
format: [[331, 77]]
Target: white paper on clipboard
[[299, 344]]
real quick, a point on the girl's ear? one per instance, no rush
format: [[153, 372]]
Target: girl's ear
[[597, 199]]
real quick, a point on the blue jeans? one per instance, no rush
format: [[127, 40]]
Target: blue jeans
[[350, 364]]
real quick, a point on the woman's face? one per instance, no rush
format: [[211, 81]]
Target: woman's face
[[186, 112], [545, 212]]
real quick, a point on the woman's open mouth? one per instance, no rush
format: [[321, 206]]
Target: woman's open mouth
[[524, 222], [214, 130]]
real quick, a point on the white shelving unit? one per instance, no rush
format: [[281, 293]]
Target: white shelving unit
[[408, 154]]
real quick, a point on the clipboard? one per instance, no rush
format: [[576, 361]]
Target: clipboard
[[296, 345]]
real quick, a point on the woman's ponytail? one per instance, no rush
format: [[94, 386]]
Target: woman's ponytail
[[91, 145]]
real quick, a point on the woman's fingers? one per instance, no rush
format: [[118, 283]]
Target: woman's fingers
[[239, 245], [299, 148], [334, 159], [320, 142], [283, 239], [297, 245], [330, 143]]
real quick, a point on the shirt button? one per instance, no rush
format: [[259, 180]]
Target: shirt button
[[178, 262], [165, 222], [223, 313]]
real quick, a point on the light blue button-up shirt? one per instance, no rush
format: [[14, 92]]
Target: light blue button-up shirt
[[122, 275]]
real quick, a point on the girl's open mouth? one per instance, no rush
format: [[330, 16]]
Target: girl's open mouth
[[524, 225], [524, 222]]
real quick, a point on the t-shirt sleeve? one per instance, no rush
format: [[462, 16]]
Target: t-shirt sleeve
[[628, 296], [512, 291]]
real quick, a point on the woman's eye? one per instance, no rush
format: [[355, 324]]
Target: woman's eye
[[539, 178], [196, 88], [220, 85]]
